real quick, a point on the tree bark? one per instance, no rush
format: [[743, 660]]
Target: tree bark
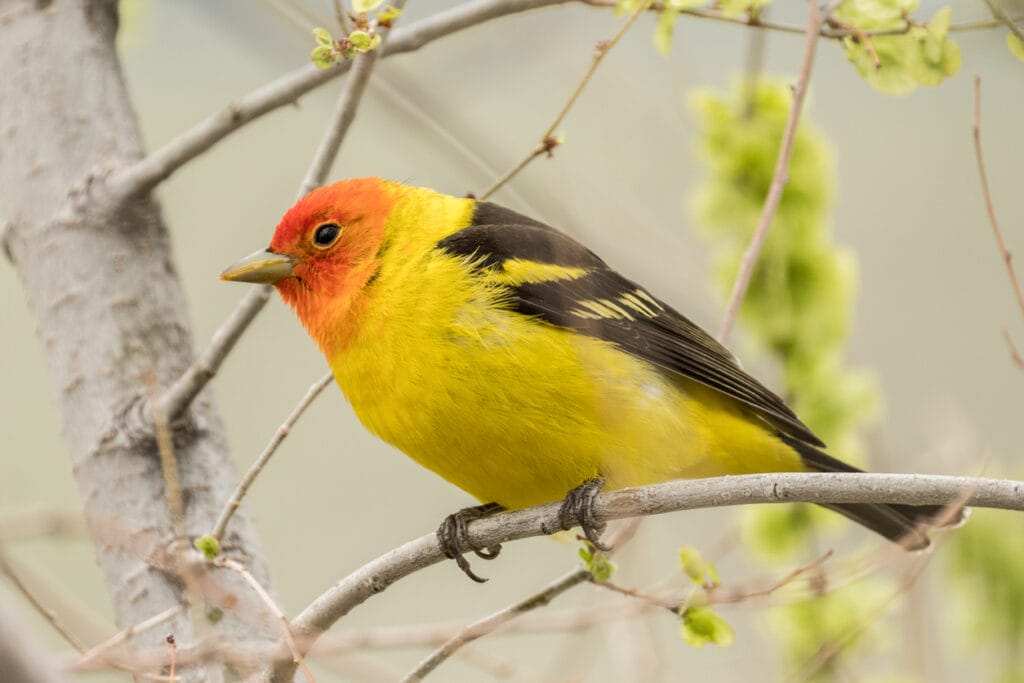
[[100, 282]]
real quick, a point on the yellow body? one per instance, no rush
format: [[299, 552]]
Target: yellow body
[[511, 409]]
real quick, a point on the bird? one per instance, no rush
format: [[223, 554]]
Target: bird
[[508, 358]]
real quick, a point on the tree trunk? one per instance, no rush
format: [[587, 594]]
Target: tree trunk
[[101, 285]]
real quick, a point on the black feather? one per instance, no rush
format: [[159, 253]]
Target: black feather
[[651, 330]]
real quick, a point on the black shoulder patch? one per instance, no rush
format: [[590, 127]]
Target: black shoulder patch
[[487, 213], [532, 241]]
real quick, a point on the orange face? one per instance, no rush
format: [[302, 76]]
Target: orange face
[[323, 253]]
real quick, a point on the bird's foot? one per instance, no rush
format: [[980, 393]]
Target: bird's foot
[[578, 509], [452, 537]]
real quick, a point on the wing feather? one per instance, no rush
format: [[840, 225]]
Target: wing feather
[[605, 305]]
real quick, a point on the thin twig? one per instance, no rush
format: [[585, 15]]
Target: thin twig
[[861, 37], [100, 652], [989, 206], [14, 576], [344, 112], [180, 395], [257, 467], [493, 621], [831, 649], [1005, 18], [780, 177], [1014, 352], [228, 563], [157, 166], [169, 469], [548, 141], [341, 16], [54, 523]]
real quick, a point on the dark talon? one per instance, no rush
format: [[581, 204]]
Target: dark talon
[[451, 537], [578, 509]]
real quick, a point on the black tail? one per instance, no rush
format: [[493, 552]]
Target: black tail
[[901, 524]]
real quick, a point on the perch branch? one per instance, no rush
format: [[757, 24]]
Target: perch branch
[[908, 489]]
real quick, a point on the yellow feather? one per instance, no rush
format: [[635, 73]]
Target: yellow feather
[[509, 408]]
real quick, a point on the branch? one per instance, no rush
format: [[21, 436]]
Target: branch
[[781, 176], [19, 659], [989, 205], [345, 112], [180, 395], [1000, 14], [157, 166], [491, 622], [791, 487], [548, 141], [271, 448], [14, 576]]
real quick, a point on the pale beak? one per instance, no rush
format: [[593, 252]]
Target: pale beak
[[264, 267]]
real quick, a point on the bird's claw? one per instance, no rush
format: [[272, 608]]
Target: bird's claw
[[578, 509], [452, 537]]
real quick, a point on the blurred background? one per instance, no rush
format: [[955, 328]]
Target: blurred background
[[932, 300]]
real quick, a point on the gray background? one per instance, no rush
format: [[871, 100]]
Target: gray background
[[933, 293]]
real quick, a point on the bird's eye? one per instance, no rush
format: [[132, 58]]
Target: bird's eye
[[326, 234]]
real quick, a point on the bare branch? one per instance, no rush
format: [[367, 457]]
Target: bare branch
[[180, 395], [101, 651], [14, 576], [493, 621], [344, 113], [271, 448], [19, 659], [228, 563], [1005, 18], [779, 179], [997, 232], [547, 141], [908, 489], [157, 166]]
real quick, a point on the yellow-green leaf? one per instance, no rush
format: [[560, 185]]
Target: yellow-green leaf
[[939, 25], [388, 14], [360, 6], [692, 564], [663, 31], [360, 40], [1016, 46], [323, 57], [702, 626], [597, 564], [208, 546], [322, 37]]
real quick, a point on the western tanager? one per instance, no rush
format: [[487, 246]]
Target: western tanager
[[515, 363]]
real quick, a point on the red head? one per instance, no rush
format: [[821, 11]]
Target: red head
[[323, 253]]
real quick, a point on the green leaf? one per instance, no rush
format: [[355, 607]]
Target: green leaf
[[361, 6], [737, 8], [322, 37], [597, 564], [699, 570], [360, 40], [323, 57], [663, 31], [208, 546], [388, 15], [938, 27], [702, 626], [1016, 46]]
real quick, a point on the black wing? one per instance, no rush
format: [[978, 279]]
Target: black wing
[[605, 305]]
